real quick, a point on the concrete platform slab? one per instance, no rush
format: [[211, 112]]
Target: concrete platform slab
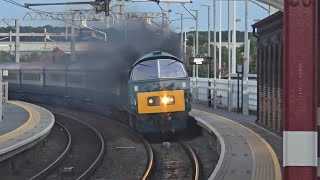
[[272, 137], [14, 117], [31, 126], [245, 155]]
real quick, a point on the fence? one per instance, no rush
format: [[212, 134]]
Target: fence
[[200, 92]]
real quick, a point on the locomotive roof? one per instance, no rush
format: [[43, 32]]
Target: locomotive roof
[[155, 55]]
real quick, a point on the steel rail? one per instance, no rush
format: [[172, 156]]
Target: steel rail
[[53, 165], [99, 158], [192, 155], [150, 159]]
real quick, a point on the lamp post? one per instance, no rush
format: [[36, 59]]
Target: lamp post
[[197, 50], [220, 37], [214, 55], [229, 62], [194, 41], [245, 106], [234, 47], [209, 38], [234, 38], [181, 34], [193, 51], [17, 43], [197, 32], [209, 65]]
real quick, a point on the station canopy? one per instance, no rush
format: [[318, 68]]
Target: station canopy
[[278, 4]]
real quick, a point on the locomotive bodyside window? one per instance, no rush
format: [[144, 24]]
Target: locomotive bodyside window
[[57, 77], [72, 78], [11, 76], [31, 77]]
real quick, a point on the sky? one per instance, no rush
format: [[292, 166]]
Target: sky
[[255, 12]]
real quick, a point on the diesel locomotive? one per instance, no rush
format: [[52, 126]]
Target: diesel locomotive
[[159, 94]]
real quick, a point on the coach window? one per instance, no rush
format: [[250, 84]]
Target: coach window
[[145, 70], [171, 69]]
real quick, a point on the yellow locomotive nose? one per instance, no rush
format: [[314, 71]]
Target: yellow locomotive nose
[[161, 101]]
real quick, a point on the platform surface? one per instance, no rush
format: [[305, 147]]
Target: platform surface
[[23, 126], [247, 151], [14, 117]]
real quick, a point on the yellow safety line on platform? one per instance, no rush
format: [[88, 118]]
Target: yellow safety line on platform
[[23, 125], [277, 169]]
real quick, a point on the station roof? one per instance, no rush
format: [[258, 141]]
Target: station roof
[[278, 4]]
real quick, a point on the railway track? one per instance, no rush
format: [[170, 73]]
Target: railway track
[[174, 161], [65, 152], [200, 146], [34, 160], [123, 146], [83, 154]]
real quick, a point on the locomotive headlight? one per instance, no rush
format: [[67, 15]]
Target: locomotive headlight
[[153, 101], [165, 100]]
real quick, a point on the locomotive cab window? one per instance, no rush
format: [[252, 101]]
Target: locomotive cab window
[[164, 68], [145, 70], [171, 69]]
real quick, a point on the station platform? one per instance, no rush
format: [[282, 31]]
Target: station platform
[[23, 126], [247, 150]]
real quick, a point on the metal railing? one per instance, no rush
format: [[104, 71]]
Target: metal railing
[[5, 90], [199, 90]]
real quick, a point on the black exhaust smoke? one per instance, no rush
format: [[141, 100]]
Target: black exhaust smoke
[[126, 43]]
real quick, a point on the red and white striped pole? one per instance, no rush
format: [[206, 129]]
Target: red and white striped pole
[[300, 90]]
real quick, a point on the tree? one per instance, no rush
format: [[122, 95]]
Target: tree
[[6, 57], [253, 56], [203, 48]]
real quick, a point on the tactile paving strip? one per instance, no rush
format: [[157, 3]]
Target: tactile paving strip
[[247, 155]]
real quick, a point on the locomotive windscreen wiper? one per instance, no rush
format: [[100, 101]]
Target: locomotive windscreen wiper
[[144, 65], [173, 62]]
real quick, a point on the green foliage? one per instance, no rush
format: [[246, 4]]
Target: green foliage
[[253, 55], [203, 37], [6, 57], [203, 50]]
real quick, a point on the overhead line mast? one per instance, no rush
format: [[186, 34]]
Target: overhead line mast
[[100, 5]]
